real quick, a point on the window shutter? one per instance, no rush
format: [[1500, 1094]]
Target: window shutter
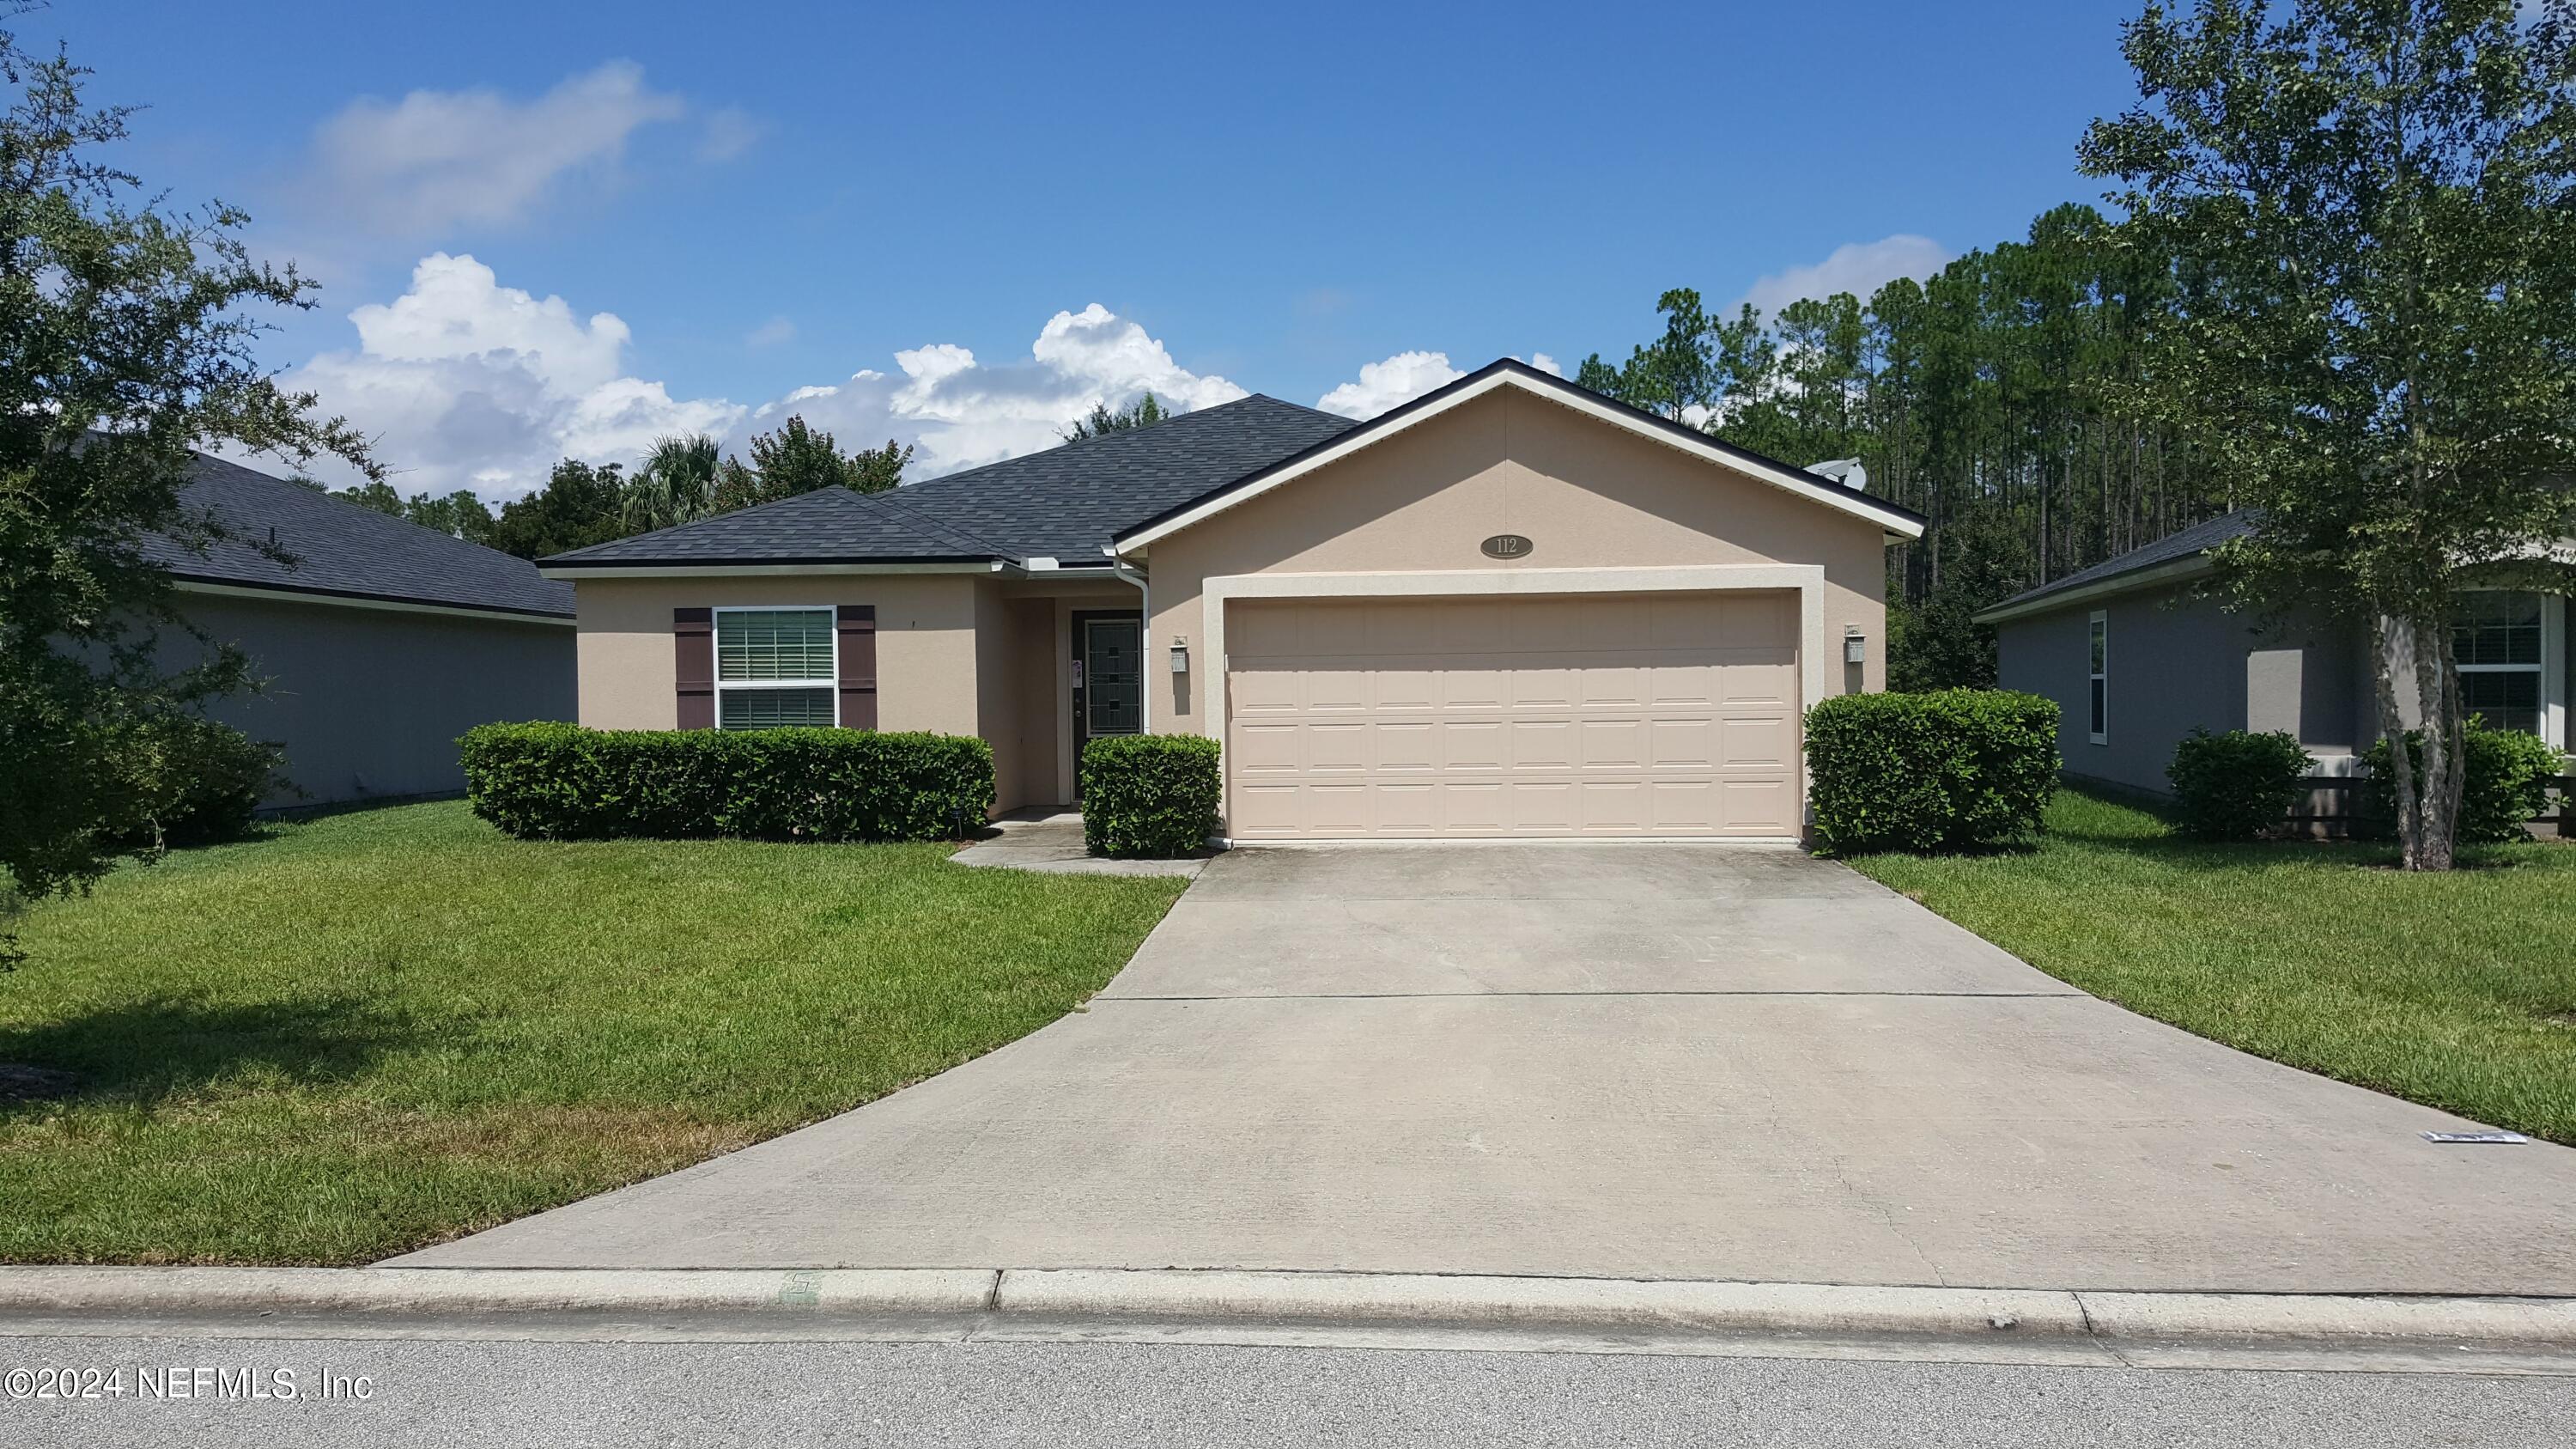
[[693, 638], [858, 628]]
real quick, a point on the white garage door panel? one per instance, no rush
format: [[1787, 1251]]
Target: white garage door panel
[[1566, 715]]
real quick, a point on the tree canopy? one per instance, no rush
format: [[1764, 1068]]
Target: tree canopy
[[1144, 412], [126, 343], [2371, 211]]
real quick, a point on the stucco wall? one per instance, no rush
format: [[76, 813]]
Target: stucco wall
[[1588, 495], [369, 702], [2176, 663], [926, 658]]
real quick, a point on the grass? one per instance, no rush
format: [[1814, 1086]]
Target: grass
[[2455, 990], [369, 1032]]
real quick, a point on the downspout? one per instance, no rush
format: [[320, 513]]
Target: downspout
[[1126, 572]]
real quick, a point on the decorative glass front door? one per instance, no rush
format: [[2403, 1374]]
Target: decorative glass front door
[[1112, 690]]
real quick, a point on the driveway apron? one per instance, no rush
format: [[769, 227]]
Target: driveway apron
[[1612, 1060]]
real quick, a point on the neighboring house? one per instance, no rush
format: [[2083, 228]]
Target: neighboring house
[[2137, 659], [381, 640], [1510, 607]]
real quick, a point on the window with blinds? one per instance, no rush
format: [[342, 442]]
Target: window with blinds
[[775, 667]]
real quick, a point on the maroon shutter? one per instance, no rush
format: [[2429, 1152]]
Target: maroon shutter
[[693, 636], [858, 666]]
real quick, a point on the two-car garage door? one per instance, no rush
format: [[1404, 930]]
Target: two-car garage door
[[1559, 715]]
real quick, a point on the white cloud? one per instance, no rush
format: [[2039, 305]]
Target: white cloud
[[469, 384], [959, 411], [1859, 268], [1382, 385], [1402, 378], [770, 333], [437, 159]]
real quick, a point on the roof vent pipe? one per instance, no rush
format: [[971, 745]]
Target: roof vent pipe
[[1846, 471]]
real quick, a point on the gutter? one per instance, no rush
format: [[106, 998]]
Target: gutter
[[2171, 571], [1126, 572]]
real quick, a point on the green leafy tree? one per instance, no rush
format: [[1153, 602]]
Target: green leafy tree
[[579, 506], [1144, 412], [799, 459], [675, 485], [126, 342], [459, 514], [2375, 203]]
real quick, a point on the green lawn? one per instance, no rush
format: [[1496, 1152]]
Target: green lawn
[[374, 1031], [2455, 990]]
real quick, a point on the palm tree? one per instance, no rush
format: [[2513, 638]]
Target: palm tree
[[676, 485]]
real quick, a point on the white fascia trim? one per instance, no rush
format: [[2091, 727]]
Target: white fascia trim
[[578, 574], [1807, 579], [1846, 500], [390, 606], [2147, 578]]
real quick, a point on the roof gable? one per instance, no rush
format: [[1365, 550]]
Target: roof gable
[[1512, 373]]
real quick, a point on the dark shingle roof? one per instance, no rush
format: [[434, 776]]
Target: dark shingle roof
[[1070, 501], [342, 549], [825, 526], [2198, 538], [1066, 502]]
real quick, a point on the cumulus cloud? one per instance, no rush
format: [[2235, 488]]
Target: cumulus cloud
[[1859, 268], [437, 159], [1402, 378], [469, 384], [959, 411]]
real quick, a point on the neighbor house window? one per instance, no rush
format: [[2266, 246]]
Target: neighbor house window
[[775, 667], [2500, 640], [2100, 728]]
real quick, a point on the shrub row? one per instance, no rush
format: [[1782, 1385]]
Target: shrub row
[[2240, 786], [1149, 795], [562, 781], [1949, 770]]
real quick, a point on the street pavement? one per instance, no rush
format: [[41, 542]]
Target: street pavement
[[469, 1394]]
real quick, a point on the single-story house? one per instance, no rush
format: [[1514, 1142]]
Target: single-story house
[[381, 640], [1510, 607], [2137, 658]]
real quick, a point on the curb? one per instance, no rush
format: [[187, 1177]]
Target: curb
[[1182, 1298]]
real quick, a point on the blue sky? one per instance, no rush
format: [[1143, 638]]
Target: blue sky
[[771, 199]]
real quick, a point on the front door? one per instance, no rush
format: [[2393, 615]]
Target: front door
[[1108, 677]]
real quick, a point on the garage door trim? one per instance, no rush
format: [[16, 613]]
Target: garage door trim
[[1808, 580]]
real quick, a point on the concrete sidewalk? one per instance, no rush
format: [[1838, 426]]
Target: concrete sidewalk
[[1605, 1062]]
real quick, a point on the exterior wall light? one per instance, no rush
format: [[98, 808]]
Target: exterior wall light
[[1180, 655], [1855, 647]]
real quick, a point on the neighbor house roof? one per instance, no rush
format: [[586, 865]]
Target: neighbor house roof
[[1065, 503], [338, 549], [2171, 555]]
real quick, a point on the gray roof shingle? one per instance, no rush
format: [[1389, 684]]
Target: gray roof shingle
[[343, 549], [2181, 544], [1066, 502]]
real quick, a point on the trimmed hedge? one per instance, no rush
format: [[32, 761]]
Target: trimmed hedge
[[2508, 775], [564, 782], [1953, 769], [2236, 786], [1149, 795]]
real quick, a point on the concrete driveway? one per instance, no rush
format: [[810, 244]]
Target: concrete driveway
[[1609, 1061]]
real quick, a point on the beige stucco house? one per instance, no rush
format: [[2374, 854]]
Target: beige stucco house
[[1508, 608]]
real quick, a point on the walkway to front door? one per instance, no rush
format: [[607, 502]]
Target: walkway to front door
[[1627, 1061]]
